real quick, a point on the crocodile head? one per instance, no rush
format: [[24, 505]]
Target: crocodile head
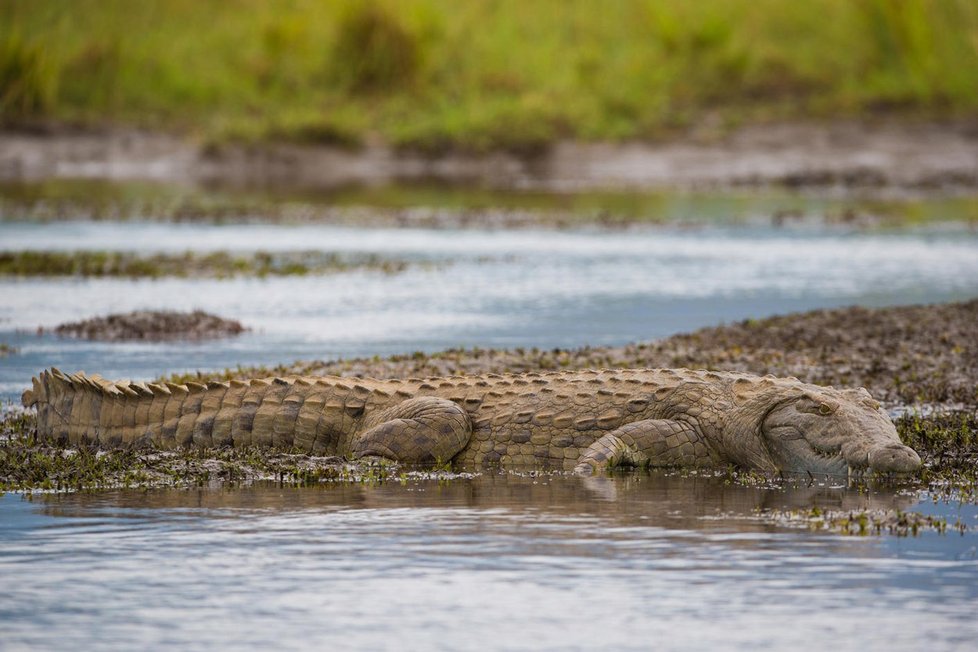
[[834, 432]]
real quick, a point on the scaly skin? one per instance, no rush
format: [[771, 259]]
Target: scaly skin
[[578, 420]]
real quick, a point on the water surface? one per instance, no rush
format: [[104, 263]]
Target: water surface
[[495, 562], [503, 288]]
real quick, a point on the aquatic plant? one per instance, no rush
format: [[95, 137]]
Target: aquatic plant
[[218, 264]]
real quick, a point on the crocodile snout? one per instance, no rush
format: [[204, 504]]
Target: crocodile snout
[[894, 458]]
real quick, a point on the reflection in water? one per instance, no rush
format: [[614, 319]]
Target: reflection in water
[[496, 561], [630, 499]]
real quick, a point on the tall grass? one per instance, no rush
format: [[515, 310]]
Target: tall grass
[[27, 83], [481, 74]]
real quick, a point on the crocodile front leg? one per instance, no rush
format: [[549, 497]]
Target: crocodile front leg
[[419, 430], [653, 442]]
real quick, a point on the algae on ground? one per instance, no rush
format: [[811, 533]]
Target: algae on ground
[[218, 264], [448, 206], [27, 464]]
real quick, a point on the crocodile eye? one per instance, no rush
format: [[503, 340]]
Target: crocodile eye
[[824, 409]]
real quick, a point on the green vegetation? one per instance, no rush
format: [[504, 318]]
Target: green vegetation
[[867, 522], [948, 442], [440, 205], [219, 264], [434, 74]]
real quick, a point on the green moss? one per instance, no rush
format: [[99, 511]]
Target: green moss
[[188, 265]]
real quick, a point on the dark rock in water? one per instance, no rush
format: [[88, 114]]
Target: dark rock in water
[[153, 326]]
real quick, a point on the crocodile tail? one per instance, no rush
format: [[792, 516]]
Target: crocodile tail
[[298, 413], [82, 409], [88, 410], [67, 405], [47, 396]]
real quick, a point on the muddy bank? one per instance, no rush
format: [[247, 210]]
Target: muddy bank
[[923, 356], [904, 355], [152, 326], [920, 361], [879, 158]]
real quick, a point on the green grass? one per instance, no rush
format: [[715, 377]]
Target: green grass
[[479, 75]]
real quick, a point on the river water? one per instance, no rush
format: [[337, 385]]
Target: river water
[[494, 561], [502, 288]]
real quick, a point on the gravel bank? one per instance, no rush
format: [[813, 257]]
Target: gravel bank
[[151, 325], [904, 355]]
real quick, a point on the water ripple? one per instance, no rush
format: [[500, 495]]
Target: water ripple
[[379, 568]]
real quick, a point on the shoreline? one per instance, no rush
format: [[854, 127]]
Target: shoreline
[[904, 355], [880, 159], [921, 356]]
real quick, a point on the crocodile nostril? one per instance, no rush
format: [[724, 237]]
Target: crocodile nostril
[[894, 459]]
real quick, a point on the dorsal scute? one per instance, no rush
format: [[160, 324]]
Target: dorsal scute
[[141, 388], [177, 389], [159, 390], [108, 389]]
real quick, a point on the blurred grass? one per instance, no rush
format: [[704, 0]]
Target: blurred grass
[[480, 75], [438, 204]]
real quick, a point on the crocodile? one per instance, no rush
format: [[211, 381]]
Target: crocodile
[[571, 420]]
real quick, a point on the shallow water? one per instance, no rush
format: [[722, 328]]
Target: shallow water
[[487, 289], [495, 562], [498, 561]]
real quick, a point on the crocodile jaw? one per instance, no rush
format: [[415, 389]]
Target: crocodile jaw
[[835, 432], [794, 454]]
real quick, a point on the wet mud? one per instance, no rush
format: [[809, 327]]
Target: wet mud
[[879, 158], [905, 355]]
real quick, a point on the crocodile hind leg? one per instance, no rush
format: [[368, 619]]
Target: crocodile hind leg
[[419, 430], [652, 442]]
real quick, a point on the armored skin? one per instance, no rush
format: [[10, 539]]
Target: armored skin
[[573, 420]]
